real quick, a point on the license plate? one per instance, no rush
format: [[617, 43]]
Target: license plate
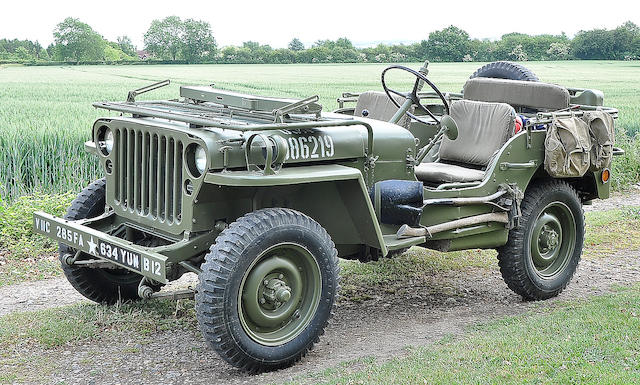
[[117, 254], [129, 258], [89, 240]]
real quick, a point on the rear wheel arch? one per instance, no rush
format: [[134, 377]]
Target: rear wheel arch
[[586, 186]]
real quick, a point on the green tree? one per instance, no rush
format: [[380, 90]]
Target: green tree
[[126, 46], [343, 42], [330, 44], [296, 45], [54, 52], [449, 44], [112, 54], [559, 51], [251, 45], [23, 54], [482, 50], [165, 38], [512, 45], [283, 56], [519, 46], [623, 40], [518, 54], [37, 50], [78, 41], [44, 55], [421, 50], [593, 44], [229, 54], [198, 40]]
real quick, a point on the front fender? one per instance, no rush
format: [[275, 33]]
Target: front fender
[[333, 195]]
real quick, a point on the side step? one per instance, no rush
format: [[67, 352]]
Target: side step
[[395, 243]]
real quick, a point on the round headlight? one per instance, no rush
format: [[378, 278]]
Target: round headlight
[[108, 141], [105, 140], [200, 159]]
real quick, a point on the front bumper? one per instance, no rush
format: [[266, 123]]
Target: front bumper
[[103, 246]]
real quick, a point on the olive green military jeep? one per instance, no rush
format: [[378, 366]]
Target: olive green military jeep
[[260, 196]]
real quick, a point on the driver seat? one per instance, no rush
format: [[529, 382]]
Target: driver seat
[[377, 105], [483, 128]]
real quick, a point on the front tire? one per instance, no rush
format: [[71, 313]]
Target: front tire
[[99, 285], [543, 252], [267, 289]]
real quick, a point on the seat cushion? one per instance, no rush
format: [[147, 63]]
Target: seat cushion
[[380, 107], [537, 95], [482, 130], [446, 173]]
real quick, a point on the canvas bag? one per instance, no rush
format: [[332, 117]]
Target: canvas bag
[[567, 147], [602, 130]]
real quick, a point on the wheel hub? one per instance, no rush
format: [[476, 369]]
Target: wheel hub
[[279, 294], [548, 239], [275, 292], [552, 239]]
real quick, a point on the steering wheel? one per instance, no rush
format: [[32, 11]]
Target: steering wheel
[[413, 95]]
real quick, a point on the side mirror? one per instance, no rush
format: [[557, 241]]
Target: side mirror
[[451, 128]]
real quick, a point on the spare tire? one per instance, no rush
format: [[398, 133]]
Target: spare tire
[[505, 70]]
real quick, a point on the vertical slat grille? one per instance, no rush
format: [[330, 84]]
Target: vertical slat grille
[[160, 178], [148, 171]]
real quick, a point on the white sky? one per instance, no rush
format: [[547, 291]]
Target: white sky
[[277, 22]]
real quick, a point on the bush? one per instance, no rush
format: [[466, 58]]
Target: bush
[[16, 221], [626, 168]]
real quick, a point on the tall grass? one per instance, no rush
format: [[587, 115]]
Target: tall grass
[[46, 113]]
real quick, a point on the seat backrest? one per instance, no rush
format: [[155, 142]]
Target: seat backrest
[[380, 107], [482, 130], [536, 95]]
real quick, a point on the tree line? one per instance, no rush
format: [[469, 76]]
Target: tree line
[[174, 40]]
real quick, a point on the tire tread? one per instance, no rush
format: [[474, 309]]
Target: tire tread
[[90, 203], [511, 265], [505, 70], [216, 271]]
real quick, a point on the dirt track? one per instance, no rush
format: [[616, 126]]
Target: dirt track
[[381, 328], [428, 310]]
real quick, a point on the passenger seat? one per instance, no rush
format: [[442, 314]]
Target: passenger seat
[[483, 128]]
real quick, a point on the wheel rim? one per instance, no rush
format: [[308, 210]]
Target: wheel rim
[[552, 240], [279, 294]]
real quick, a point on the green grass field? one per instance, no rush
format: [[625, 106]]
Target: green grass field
[[46, 113], [580, 342]]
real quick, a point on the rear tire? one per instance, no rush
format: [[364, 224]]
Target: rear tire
[[505, 70], [267, 289], [99, 285], [543, 252]]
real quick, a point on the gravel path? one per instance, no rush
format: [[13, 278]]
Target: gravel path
[[617, 200], [37, 295], [382, 328], [55, 292]]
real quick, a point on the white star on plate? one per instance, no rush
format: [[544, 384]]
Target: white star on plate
[[92, 246]]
